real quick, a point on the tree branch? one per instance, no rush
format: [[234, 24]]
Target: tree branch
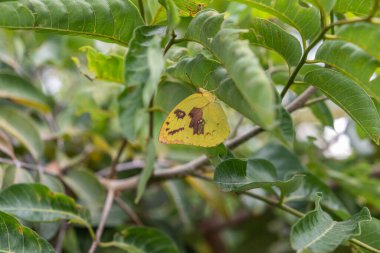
[[129, 211], [115, 162], [320, 37], [188, 168], [103, 220]]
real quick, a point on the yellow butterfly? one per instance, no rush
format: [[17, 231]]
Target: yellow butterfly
[[197, 120]]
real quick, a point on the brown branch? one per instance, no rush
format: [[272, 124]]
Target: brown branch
[[129, 211], [61, 236], [103, 220], [190, 167], [113, 170]]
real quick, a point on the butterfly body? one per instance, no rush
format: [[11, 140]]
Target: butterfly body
[[197, 120]]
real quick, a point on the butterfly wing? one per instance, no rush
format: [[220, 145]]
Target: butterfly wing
[[197, 120]]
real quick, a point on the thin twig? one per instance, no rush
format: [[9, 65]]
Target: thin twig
[[61, 236], [103, 220], [170, 43], [113, 170], [188, 168], [319, 38], [30, 166], [129, 211], [297, 213], [274, 203]]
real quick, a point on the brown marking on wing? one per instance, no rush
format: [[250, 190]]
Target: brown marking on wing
[[197, 122], [167, 129], [167, 123], [179, 114], [176, 131]]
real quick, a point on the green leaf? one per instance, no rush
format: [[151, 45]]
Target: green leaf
[[349, 59], [267, 34], [36, 203], [370, 234], [17, 238], [22, 128], [144, 62], [104, 67], [109, 20], [285, 162], [6, 145], [211, 75], [284, 129], [171, 13], [191, 7], [21, 91], [88, 189], [326, 5], [144, 240], [131, 109], [10, 174], [350, 97], [178, 92], [312, 185], [239, 61], [322, 112], [305, 20], [318, 232], [238, 175], [147, 171], [364, 35], [359, 7]]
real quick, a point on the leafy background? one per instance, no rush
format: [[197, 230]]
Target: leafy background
[[86, 85]]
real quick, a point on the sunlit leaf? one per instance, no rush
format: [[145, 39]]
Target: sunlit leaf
[[105, 67], [350, 97], [109, 20], [22, 128], [318, 232], [17, 238]]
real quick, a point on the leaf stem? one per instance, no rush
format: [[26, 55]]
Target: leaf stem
[[319, 38], [274, 203], [113, 170]]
